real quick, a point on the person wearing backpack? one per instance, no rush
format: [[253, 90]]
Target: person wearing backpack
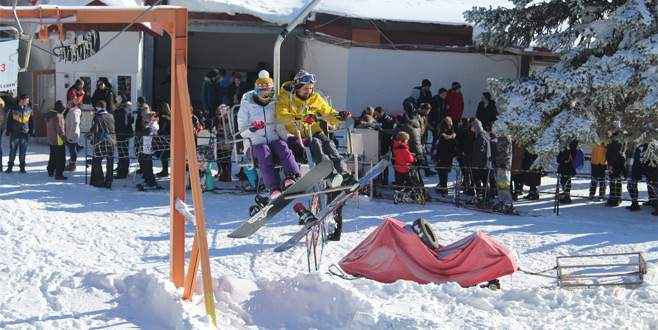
[[103, 139]]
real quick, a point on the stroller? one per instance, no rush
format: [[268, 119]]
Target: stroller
[[411, 191]]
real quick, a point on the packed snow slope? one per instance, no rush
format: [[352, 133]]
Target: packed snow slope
[[78, 257]]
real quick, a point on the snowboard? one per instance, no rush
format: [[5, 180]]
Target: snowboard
[[337, 202], [258, 220]]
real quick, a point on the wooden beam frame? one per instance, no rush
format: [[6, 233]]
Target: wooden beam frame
[[173, 21]]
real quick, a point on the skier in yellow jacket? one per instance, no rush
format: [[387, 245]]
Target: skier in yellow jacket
[[299, 103]]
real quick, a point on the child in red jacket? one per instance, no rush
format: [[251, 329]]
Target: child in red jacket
[[403, 159]]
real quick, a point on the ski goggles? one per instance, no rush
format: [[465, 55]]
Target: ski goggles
[[306, 79], [264, 91]]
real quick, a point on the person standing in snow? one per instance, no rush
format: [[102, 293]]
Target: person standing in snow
[[465, 139], [487, 113], [268, 138], [103, 138], [517, 170], [76, 92], [145, 157], [164, 138], [123, 121], [503, 162], [531, 177], [640, 168], [481, 161], [598, 168], [20, 127], [614, 156], [568, 161], [403, 158], [72, 127], [438, 112], [56, 138], [455, 101], [298, 102], [104, 93], [446, 152]]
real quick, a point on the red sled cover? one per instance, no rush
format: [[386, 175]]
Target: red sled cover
[[393, 252]]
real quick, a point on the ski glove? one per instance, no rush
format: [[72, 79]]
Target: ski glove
[[256, 125], [344, 115], [310, 119]]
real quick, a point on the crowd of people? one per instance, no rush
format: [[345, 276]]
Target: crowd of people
[[493, 168], [428, 137]]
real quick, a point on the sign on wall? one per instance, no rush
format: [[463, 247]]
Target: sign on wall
[[77, 48], [8, 65]]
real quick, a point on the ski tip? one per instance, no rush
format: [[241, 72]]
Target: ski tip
[[236, 235], [280, 248]]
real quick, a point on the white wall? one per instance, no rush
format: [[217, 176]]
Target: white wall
[[330, 64], [385, 77], [121, 57]]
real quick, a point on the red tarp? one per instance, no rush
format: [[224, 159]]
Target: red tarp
[[393, 252]]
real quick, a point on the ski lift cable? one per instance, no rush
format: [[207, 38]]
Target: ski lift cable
[[129, 25]]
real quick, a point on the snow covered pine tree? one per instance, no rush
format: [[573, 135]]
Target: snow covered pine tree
[[606, 80]]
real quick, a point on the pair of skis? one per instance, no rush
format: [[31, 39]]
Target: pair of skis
[[318, 173], [337, 202]]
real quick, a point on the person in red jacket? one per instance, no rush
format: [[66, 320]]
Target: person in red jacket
[[455, 101], [403, 159]]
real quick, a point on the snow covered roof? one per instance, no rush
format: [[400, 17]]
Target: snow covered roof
[[283, 11]]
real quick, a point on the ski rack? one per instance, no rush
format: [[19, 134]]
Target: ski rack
[[625, 269]]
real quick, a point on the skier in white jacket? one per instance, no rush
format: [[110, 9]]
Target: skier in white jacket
[[256, 122]]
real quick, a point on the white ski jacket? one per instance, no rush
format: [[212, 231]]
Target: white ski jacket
[[250, 111]]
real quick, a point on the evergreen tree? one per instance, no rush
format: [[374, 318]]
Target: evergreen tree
[[606, 80]]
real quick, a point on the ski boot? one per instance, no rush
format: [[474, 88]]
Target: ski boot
[[261, 201], [303, 213], [492, 285]]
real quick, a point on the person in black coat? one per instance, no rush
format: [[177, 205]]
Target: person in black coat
[[531, 177], [123, 124], [446, 152], [103, 138], [465, 140], [641, 168], [164, 138], [614, 155], [386, 125], [236, 89], [104, 93], [567, 161], [487, 113]]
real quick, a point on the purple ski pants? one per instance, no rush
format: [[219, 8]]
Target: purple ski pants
[[264, 155]]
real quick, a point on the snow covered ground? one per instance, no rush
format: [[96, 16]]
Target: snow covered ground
[[78, 257]]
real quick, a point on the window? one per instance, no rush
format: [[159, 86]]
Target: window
[[124, 86]]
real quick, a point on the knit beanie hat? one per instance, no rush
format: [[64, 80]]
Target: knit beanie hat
[[264, 80]]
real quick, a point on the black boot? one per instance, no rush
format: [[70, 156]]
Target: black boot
[[635, 206]]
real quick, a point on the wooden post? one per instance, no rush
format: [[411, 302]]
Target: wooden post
[[178, 34]]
